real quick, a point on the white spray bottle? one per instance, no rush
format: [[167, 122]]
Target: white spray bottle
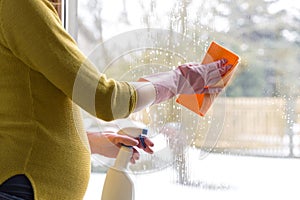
[[118, 184]]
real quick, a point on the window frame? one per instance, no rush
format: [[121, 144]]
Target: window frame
[[70, 17], [67, 11]]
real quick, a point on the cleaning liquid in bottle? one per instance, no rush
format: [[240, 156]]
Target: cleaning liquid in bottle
[[118, 185]]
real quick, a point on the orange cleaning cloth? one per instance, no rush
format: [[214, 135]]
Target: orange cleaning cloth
[[200, 103]]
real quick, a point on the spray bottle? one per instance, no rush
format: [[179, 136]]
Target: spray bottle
[[118, 184]]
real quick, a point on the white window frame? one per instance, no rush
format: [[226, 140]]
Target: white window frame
[[70, 17]]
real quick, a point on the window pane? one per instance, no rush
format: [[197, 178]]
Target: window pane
[[262, 115], [259, 113]]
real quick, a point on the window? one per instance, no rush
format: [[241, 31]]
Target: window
[[218, 156]]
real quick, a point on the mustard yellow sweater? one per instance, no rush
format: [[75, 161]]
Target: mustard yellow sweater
[[41, 132]]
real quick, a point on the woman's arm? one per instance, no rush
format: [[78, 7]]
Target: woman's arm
[[32, 31]]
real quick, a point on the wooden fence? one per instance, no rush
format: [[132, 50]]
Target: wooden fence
[[254, 123]]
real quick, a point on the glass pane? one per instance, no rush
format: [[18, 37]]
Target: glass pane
[[253, 124]]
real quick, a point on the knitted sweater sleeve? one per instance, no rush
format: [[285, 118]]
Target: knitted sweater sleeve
[[32, 31]]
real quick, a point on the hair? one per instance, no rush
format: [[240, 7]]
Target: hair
[[57, 6], [55, 3]]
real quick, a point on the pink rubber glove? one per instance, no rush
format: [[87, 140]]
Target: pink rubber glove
[[190, 78]]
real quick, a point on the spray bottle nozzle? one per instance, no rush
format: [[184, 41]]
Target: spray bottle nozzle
[[142, 137], [144, 131]]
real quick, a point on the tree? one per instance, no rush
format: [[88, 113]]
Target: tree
[[260, 36]]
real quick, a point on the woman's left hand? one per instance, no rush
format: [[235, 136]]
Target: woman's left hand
[[108, 144]]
